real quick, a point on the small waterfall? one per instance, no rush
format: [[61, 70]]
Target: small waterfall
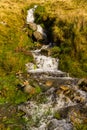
[[30, 15], [31, 19], [44, 63], [41, 30], [60, 91]]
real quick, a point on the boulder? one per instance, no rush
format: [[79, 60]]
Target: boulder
[[28, 88], [32, 26], [38, 36]]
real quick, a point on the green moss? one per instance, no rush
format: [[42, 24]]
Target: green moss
[[40, 14], [10, 92], [11, 118], [80, 126], [57, 115], [55, 51], [38, 89]]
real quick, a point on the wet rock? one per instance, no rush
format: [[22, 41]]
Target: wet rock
[[50, 91], [28, 88], [56, 81], [49, 83], [77, 116], [44, 52], [83, 84], [52, 124], [44, 111], [52, 75], [76, 113], [32, 26], [55, 124], [64, 88], [43, 127], [38, 36], [81, 96]]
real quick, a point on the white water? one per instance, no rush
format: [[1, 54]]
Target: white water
[[30, 15], [46, 63], [41, 30], [31, 19], [43, 63], [44, 111]]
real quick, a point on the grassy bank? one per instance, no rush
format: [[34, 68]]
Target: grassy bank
[[66, 23]]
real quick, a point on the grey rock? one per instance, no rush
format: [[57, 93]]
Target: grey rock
[[52, 124], [43, 127], [55, 124]]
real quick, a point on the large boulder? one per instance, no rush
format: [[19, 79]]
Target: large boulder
[[38, 36], [32, 26]]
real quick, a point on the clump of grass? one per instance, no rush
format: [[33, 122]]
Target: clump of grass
[[55, 51], [40, 14], [57, 115], [9, 91], [80, 126]]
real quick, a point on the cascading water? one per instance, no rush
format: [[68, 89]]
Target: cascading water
[[43, 63], [31, 19], [30, 15], [41, 115]]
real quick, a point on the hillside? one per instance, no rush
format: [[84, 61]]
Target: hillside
[[65, 22]]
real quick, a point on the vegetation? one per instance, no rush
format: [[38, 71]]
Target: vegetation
[[14, 46], [57, 115], [80, 126], [66, 25]]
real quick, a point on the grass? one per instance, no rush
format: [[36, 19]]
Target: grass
[[80, 126], [67, 22]]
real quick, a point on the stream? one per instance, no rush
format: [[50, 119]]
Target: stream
[[60, 101]]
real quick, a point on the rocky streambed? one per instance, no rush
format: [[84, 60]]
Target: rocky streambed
[[59, 101]]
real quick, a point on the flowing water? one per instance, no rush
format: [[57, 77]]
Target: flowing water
[[30, 15], [31, 19], [43, 63], [40, 112]]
